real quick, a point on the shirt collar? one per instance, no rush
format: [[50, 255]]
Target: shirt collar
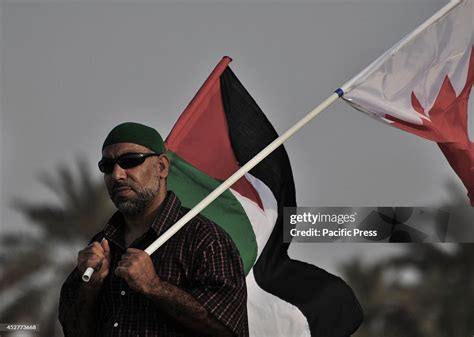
[[168, 215]]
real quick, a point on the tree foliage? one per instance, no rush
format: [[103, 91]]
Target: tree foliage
[[34, 266]]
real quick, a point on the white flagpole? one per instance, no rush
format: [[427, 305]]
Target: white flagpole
[[232, 179]]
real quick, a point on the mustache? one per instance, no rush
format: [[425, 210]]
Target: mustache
[[118, 184]]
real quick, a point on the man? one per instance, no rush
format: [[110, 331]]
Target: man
[[194, 285]]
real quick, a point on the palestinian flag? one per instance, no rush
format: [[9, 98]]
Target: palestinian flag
[[220, 130]]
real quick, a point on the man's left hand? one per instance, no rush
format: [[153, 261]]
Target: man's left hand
[[137, 269]]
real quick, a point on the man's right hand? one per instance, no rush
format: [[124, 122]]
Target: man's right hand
[[97, 256]]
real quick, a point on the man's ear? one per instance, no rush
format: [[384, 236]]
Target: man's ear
[[164, 164]]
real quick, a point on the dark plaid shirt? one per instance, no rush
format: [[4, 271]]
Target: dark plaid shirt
[[200, 259]]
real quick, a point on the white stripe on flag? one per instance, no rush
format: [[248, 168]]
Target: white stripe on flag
[[270, 316], [264, 220]]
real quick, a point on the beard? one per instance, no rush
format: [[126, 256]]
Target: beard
[[132, 206]]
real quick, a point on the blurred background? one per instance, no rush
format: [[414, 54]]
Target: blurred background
[[73, 69]]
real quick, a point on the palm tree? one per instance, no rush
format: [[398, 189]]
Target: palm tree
[[36, 265], [385, 310], [438, 300], [445, 293]]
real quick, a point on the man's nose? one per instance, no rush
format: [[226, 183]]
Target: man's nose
[[118, 173]]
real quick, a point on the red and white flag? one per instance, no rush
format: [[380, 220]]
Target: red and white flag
[[422, 85]]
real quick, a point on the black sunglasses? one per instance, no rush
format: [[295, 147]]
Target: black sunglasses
[[125, 161]]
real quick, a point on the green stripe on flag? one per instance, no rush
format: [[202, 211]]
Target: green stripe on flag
[[192, 185]]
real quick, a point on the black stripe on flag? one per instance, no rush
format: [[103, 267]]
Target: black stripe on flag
[[328, 303]]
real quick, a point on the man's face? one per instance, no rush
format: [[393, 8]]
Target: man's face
[[132, 190]]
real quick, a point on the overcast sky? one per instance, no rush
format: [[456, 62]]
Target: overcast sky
[[71, 70]]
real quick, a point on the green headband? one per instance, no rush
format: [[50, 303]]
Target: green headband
[[135, 133]]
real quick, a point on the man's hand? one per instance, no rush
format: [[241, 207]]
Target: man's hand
[[78, 308], [137, 269], [97, 256]]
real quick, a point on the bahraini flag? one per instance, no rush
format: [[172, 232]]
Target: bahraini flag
[[423, 83], [220, 130]]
